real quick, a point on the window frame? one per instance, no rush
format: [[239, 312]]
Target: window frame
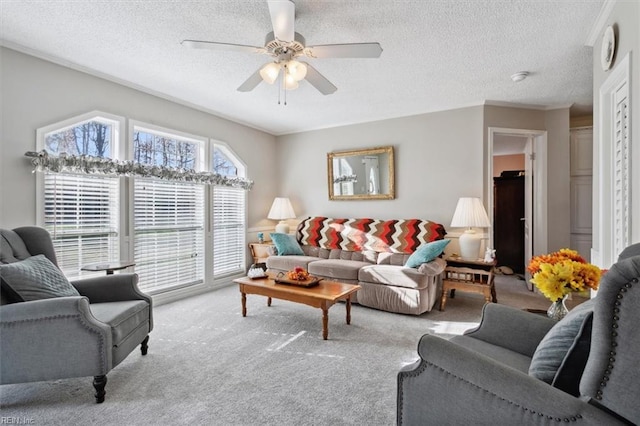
[[241, 168], [201, 163], [169, 133], [118, 137], [122, 148]]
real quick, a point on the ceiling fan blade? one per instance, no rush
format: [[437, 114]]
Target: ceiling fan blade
[[199, 44], [282, 19], [251, 82], [352, 50], [319, 81]]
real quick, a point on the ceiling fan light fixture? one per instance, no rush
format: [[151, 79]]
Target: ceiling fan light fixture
[[284, 45], [269, 72], [290, 83], [297, 70]]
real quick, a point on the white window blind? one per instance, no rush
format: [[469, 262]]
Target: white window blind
[[168, 234], [228, 231], [81, 214]]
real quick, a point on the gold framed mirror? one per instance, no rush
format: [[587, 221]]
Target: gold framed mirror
[[365, 174]]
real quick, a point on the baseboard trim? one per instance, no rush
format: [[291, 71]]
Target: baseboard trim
[[194, 290]]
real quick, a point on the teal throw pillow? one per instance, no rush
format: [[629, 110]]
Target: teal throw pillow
[[286, 244], [557, 344], [426, 253], [36, 278]]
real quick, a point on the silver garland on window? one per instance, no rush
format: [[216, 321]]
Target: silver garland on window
[[86, 164], [345, 179]]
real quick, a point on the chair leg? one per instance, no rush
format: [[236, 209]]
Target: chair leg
[[144, 346], [99, 383]]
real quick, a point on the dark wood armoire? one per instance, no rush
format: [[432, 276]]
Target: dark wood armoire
[[508, 226]]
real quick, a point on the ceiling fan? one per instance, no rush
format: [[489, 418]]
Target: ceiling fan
[[286, 46]]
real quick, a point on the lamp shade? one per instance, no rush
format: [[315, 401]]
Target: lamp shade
[[470, 213], [281, 209], [297, 70], [290, 83], [270, 72]]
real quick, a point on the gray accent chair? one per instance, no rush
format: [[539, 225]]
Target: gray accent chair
[[64, 337], [481, 377]]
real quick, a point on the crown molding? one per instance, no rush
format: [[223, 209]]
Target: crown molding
[[601, 21]]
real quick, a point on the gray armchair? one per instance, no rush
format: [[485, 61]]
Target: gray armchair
[[72, 336], [483, 377]]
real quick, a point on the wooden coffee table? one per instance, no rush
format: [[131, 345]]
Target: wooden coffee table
[[322, 296]]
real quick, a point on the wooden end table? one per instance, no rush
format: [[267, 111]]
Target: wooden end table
[[474, 276], [322, 296], [260, 251]]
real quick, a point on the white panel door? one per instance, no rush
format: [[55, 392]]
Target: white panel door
[[582, 152], [581, 211], [582, 243]]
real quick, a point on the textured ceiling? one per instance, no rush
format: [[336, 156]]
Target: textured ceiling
[[437, 55]]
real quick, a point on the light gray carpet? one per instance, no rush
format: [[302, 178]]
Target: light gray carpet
[[207, 365]]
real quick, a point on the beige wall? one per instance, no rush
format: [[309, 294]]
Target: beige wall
[[438, 158], [558, 179], [36, 93], [503, 163], [582, 121]]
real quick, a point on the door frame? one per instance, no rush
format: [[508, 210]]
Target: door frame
[[537, 199]]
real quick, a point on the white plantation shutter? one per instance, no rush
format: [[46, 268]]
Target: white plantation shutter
[[81, 213], [169, 234], [621, 172], [228, 231]]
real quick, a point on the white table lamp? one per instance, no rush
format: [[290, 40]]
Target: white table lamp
[[470, 213], [281, 210]]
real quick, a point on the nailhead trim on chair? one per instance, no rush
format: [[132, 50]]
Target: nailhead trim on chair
[[63, 317], [425, 364], [101, 346], [614, 335]]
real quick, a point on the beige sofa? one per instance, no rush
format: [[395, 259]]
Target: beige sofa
[[372, 253]]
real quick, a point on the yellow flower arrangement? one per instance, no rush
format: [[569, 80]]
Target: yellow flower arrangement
[[562, 272]]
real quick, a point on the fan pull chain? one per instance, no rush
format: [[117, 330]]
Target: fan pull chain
[[282, 88], [284, 84]]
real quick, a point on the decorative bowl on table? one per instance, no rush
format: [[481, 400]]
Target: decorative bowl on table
[[256, 272], [297, 276]]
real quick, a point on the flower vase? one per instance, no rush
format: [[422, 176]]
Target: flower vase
[[558, 309]]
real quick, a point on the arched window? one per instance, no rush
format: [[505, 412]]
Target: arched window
[[165, 203], [81, 212], [168, 216]]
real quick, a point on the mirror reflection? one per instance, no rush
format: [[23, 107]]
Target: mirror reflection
[[363, 174]]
